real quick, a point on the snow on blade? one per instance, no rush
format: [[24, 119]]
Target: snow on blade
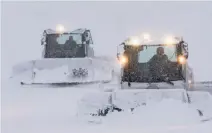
[[132, 98], [165, 113], [61, 70], [168, 116]]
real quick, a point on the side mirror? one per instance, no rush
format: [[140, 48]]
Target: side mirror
[[86, 38]]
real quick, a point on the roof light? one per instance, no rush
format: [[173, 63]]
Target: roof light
[[146, 37], [60, 28], [134, 41], [170, 40]]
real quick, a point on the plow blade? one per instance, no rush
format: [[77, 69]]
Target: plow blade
[[101, 103], [52, 71], [128, 99], [202, 101], [165, 104]]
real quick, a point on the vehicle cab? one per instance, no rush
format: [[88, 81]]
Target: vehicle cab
[[137, 53], [75, 44]]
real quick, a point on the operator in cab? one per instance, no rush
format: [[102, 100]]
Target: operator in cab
[[70, 47], [70, 43], [158, 64]]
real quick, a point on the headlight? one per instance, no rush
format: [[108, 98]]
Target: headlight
[[60, 28], [181, 59], [123, 60]]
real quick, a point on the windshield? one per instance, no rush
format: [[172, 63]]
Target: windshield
[[64, 46], [149, 51], [55, 39], [155, 65]]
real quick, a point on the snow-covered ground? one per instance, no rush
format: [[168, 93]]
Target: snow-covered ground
[[39, 109], [54, 109]]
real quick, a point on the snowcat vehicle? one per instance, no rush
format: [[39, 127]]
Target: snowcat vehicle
[[143, 63], [68, 45], [154, 69], [146, 77], [67, 58]]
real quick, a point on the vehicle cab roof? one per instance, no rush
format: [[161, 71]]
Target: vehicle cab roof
[[77, 31]]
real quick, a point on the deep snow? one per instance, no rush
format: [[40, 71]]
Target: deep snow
[[51, 109]]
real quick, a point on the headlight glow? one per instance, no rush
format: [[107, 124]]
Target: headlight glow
[[181, 59], [170, 40], [134, 41], [145, 37], [60, 28], [123, 60]]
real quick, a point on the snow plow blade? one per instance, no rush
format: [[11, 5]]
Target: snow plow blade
[[63, 71], [132, 98], [201, 100], [101, 103], [96, 105]]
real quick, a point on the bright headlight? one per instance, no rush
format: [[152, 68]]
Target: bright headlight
[[60, 28], [169, 40], [181, 59], [123, 60], [145, 37], [134, 41]]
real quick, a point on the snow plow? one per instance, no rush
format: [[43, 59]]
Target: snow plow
[[158, 67], [150, 73], [67, 58]]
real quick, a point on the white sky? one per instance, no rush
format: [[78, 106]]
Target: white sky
[[110, 23]]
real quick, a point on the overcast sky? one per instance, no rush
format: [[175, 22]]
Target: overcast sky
[[110, 23]]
